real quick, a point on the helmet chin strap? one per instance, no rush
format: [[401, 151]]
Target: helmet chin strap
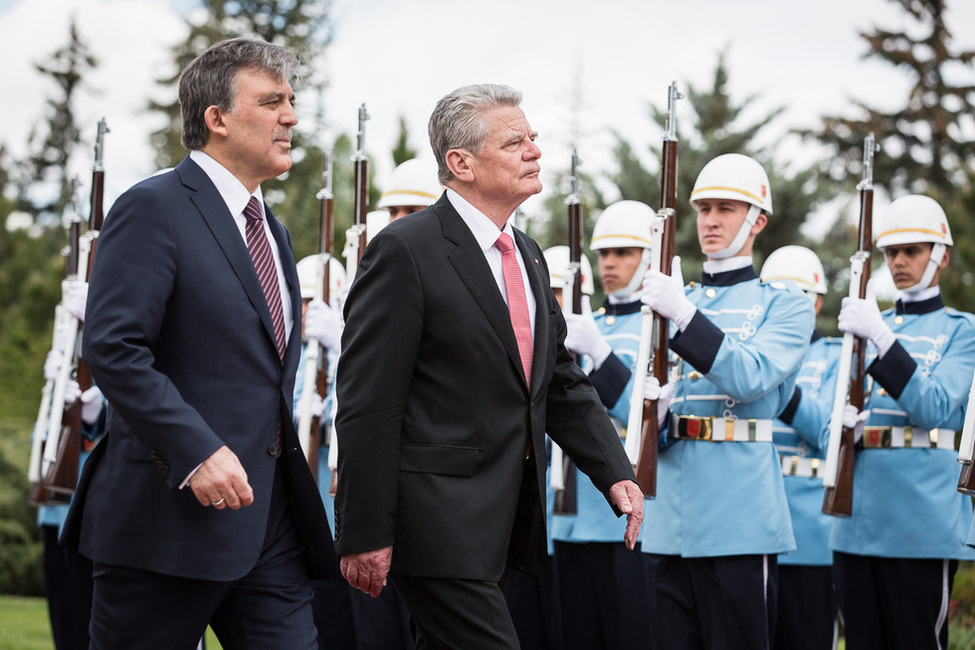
[[736, 244], [937, 254], [637, 280]]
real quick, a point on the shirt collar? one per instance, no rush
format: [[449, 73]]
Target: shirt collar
[[485, 231], [231, 190]]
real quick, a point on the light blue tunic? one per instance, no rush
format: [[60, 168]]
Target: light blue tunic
[[740, 355], [905, 501], [594, 521], [324, 476], [808, 415]]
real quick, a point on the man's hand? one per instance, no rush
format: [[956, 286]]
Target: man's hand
[[665, 295], [323, 324], [853, 419], [221, 482], [628, 497], [583, 336], [862, 318], [367, 571]]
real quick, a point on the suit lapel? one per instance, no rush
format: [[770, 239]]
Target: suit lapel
[[221, 223], [283, 242], [468, 260]]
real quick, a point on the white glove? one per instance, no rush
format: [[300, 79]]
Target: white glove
[[91, 405], [665, 295], [72, 392], [317, 405], [75, 297], [583, 336], [323, 324], [853, 419], [52, 365], [652, 390], [862, 318]]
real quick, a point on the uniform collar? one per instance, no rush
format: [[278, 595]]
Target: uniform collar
[[729, 278], [921, 306], [621, 308]]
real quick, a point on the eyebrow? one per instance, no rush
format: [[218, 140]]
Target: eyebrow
[[518, 136], [273, 95]]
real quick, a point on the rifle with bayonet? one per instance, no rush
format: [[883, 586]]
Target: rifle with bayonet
[[563, 477], [653, 355], [355, 236], [840, 451], [315, 378], [966, 448]]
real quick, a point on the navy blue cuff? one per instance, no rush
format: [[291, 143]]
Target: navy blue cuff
[[610, 380], [698, 343], [789, 412], [893, 370]]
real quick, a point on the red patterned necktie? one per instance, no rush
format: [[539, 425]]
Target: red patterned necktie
[[267, 273], [517, 302]]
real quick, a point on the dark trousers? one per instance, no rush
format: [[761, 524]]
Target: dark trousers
[[604, 595], [807, 608], [270, 607], [893, 603], [381, 623], [67, 581], [332, 611], [535, 608], [712, 603], [449, 613]]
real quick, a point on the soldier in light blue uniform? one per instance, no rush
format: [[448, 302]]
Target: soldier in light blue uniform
[[331, 604], [721, 516], [603, 585], [896, 556], [807, 601]]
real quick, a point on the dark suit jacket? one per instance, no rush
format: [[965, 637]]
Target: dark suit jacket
[[179, 338], [434, 415]]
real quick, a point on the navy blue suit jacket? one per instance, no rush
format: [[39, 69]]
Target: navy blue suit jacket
[[179, 338]]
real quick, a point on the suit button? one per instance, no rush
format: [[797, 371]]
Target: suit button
[[272, 450]]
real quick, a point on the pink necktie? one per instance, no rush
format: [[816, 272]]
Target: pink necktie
[[260, 251], [517, 302]]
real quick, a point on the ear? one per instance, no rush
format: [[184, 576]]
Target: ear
[[945, 258], [215, 121], [460, 164], [760, 222]]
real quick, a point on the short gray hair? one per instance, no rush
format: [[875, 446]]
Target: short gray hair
[[457, 121], [211, 80]]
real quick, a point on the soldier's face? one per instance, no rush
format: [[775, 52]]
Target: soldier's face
[[617, 266], [718, 221], [907, 263]]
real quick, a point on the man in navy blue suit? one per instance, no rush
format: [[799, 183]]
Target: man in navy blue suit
[[198, 506]]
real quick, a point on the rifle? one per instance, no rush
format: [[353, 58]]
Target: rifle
[[838, 470], [563, 478], [61, 459], [966, 448], [642, 431], [62, 475], [38, 495], [315, 378], [355, 236]]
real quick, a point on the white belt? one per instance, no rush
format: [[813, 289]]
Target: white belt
[[908, 437], [690, 427], [800, 466]]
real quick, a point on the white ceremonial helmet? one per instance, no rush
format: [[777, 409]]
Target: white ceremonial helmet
[[796, 263], [376, 220], [626, 224], [914, 219], [557, 259], [413, 182], [736, 177], [308, 270]]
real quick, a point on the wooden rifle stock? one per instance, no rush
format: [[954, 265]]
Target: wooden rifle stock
[[361, 182], [838, 497], [566, 499], [646, 467]]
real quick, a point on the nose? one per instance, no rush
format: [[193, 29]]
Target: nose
[[532, 152], [289, 116]]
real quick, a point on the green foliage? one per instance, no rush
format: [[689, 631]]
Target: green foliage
[[403, 151], [20, 561]]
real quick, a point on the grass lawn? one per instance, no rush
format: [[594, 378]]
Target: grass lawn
[[24, 625]]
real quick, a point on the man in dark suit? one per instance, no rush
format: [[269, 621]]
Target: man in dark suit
[[198, 506], [445, 391]]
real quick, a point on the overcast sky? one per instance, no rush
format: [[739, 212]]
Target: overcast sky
[[400, 57]]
